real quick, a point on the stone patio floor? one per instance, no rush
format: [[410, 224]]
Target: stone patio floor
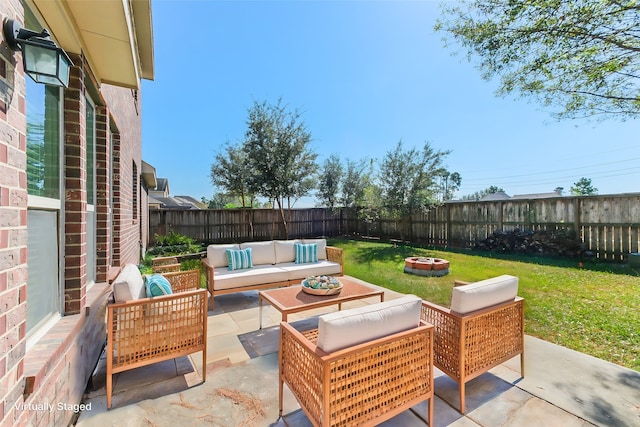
[[561, 387]]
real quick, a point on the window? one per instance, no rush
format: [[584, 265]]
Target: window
[[90, 129], [135, 191], [44, 186]]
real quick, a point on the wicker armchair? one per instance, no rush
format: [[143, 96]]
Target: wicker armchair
[[365, 384], [165, 264], [468, 345], [149, 330]]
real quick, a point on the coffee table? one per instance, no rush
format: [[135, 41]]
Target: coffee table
[[293, 299]]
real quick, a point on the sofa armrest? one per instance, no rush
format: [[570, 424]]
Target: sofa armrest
[[335, 254], [183, 280]]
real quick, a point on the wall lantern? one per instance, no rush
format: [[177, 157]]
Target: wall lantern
[[43, 60]]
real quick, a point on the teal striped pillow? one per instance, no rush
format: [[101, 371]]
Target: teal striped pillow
[[306, 252], [157, 285], [239, 258]]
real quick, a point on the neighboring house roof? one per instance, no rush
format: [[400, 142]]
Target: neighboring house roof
[[192, 201], [537, 195], [177, 202], [498, 195]]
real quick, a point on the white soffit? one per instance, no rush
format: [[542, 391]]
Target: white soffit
[[115, 36]]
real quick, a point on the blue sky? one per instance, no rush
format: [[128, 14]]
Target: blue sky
[[364, 74]]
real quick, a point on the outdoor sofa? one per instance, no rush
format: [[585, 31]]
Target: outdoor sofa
[[361, 366], [142, 330], [483, 328], [272, 264]]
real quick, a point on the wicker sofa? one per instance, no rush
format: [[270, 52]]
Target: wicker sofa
[[483, 328], [142, 331], [361, 366], [274, 264]]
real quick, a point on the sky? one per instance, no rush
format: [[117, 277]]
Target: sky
[[364, 75]]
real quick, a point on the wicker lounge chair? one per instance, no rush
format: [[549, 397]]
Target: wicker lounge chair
[[143, 331], [361, 384], [477, 333]]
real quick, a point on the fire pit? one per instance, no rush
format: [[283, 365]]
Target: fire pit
[[423, 266]]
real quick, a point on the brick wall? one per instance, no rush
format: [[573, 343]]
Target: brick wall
[[57, 368], [13, 225]]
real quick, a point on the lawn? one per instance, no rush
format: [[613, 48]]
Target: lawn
[[593, 308]]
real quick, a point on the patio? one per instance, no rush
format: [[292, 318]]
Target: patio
[[561, 387]]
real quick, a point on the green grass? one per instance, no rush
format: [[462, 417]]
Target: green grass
[[594, 309]]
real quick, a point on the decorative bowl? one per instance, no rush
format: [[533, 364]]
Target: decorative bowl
[[321, 285]]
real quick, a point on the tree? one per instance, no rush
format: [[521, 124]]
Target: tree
[[329, 181], [582, 56], [449, 183], [277, 147], [583, 187], [408, 180], [230, 172], [357, 178]]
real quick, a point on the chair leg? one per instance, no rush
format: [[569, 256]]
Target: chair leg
[[280, 392], [522, 364], [109, 389], [431, 403], [462, 397]]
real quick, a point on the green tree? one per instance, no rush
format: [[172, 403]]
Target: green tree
[[277, 147], [407, 180], [230, 172], [449, 184], [329, 181], [581, 57], [583, 187], [357, 178]]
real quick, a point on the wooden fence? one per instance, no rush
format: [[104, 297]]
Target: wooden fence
[[609, 225]]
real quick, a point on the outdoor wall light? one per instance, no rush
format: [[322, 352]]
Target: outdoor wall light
[[43, 60]]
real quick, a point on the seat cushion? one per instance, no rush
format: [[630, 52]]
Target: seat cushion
[[258, 275], [129, 284], [302, 271], [483, 294], [347, 328], [261, 252], [217, 254]]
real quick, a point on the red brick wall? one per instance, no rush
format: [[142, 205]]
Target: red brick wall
[[13, 225], [123, 107], [57, 370]]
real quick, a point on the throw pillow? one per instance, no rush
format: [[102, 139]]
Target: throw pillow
[[239, 258], [306, 252], [157, 285]]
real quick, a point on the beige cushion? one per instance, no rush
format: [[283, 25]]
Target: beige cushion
[[301, 271], [484, 293], [129, 284], [261, 252], [285, 250], [217, 254], [258, 275], [322, 247], [347, 328]]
